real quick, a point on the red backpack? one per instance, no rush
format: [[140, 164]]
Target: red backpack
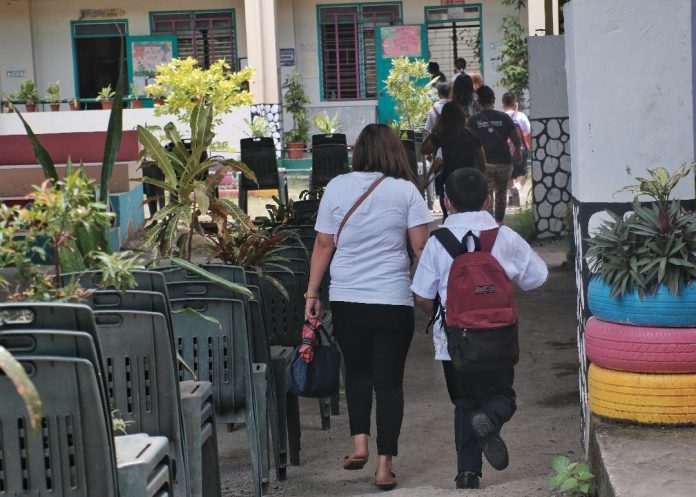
[[480, 315]]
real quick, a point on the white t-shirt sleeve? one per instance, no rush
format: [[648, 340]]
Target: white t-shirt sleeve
[[524, 124], [427, 277], [326, 221], [418, 212], [530, 270]]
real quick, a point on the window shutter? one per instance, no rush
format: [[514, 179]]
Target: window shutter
[[340, 53]]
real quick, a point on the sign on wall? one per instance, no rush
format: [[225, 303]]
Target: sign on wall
[[401, 41], [145, 53], [287, 57], [16, 74]]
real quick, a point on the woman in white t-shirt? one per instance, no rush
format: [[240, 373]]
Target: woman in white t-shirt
[[371, 300]]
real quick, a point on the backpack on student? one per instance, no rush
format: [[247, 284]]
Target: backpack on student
[[480, 318]]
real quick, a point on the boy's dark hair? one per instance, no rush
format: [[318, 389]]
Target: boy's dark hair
[[467, 189], [486, 95], [460, 63], [433, 67], [443, 90], [509, 99]]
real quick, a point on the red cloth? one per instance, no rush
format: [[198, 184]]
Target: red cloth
[[309, 332]]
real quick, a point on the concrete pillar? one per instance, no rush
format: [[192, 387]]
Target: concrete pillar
[[262, 48], [630, 99], [16, 53]]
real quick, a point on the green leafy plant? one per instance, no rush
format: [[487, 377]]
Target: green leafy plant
[[652, 246], [295, 99], [23, 386], [326, 124], [572, 479], [513, 52], [258, 127], [286, 214], [312, 193], [409, 84], [53, 93], [27, 93], [185, 167], [117, 269], [135, 91], [186, 86], [105, 93]]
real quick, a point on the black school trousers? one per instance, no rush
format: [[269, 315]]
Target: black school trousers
[[489, 392], [374, 339]]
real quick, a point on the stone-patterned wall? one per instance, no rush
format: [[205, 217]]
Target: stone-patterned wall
[[273, 113], [551, 175]]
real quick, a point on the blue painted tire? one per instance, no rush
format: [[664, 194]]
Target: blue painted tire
[[661, 309]]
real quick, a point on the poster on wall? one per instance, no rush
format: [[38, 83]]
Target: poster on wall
[[145, 53], [401, 41]]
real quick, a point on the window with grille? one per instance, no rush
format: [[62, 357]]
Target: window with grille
[[205, 36], [348, 51]]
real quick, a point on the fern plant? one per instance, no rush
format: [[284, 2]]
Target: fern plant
[[652, 246]]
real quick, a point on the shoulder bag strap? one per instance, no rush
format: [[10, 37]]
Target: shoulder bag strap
[[357, 204], [488, 238], [490, 125], [451, 243]]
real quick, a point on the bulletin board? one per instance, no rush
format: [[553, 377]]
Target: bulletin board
[[145, 53]]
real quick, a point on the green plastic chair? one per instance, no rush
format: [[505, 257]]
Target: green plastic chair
[[221, 353]]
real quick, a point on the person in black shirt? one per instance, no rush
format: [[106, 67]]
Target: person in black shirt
[[458, 146], [494, 128], [435, 73]]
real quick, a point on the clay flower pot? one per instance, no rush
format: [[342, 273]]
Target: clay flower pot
[[55, 107], [30, 107], [107, 104], [74, 105], [136, 104], [159, 101], [296, 150]]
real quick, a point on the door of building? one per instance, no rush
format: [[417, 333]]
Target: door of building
[[96, 50], [396, 41], [455, 32]]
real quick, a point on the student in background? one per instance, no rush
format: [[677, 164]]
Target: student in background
[[462, 93], [443, 90], [459, 68], [477, 79], [435, 73], [519, 171]]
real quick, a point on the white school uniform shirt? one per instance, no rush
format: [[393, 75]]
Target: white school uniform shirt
[[371, 265], [434, 113], [522, 265]]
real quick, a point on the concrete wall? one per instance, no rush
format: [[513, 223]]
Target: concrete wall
[[551, 167], [15, 44]]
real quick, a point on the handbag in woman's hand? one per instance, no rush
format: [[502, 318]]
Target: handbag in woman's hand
[[314, 365]]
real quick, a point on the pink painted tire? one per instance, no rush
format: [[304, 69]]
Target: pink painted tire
[[640, 349]]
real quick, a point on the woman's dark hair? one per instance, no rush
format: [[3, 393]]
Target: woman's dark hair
[[451, 125], [378, 148], [463, 90], [486, 95], [433, 67], [467, 189]]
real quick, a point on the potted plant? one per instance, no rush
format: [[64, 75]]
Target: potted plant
[[53, 96], [105, 96], [295, 99], [327, 125], [258, 127], [409, 84], [27, 93], [136, 103], [74, 104], [643, 298]]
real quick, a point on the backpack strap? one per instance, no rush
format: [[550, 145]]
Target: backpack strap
[[487, 239], [452, 245]]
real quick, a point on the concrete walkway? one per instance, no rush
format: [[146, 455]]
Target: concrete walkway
[[546, 423]]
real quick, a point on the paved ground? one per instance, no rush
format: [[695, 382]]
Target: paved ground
[[547, 421]]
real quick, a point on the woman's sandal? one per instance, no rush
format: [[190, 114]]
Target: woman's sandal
[[352, 463], [386, 484]]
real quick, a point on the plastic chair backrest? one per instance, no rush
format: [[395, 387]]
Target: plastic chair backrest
[[284, 317], [259, 154], [219, 353], [71, 455], [146, 281], [259, 334], [328, 139], [235, 274], [293, 252], [141, 375], [46, 316], [328, 161]]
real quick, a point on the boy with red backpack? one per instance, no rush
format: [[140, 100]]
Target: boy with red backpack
[[464, 280]]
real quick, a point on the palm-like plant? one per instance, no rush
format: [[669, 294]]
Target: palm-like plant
[[654, 245], [185, 167]]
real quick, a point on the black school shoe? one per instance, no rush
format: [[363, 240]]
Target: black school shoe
[[493, 446], [467, 479]]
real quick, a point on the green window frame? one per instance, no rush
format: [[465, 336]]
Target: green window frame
[[346, 45], [207, 35]]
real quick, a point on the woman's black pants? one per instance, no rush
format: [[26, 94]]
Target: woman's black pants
[[374, 339]]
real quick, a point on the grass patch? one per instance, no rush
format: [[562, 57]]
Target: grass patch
[[522, 222]]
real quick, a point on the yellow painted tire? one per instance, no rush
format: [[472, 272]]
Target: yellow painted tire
[[646, 398]]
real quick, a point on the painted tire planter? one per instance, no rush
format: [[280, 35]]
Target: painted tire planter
[[661, 309], [640, 349], [642, 397]]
